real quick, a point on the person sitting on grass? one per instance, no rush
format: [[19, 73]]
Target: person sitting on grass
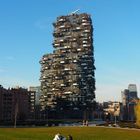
[[59, 137], [70, 137]]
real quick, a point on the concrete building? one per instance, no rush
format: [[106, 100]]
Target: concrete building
[[37, 91], [112, 110], [67, 75], [132, 92], [6, 108], [15, 102], [129, 100], [36, 104], [20, 103]]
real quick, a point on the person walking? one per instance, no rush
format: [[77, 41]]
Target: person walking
[[86, 122]]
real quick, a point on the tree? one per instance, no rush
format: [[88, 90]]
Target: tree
[[137, 111]]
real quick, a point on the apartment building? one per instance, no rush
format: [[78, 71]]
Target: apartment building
[[37, 92], [15, 102], [67, 75], [5, 105]]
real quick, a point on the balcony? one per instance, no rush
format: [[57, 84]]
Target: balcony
[[63, 51], [86, 31], [56, 44], [64, 97], [75, 61], [46, 68], [62, 62], [74, 39], [62, 26], [84, 20], [61, 20], [67, 69], [55, 89], [68, 92], [79, 49], [70, 81], [86, 24], [67, 47], [83, 64], [75, 84], [62, 85], [85, 41], [86, 45], [78, 28], [61, 40], [42, 62]]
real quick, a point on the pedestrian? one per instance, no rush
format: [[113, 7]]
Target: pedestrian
[[70, 137], [86, 122]]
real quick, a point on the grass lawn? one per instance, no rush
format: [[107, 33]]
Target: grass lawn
[[78, 133]]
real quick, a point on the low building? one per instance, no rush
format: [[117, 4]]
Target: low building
[[112, 110], [15, 103], [6, 108]]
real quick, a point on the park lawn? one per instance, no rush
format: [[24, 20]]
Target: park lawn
[[78, 133]]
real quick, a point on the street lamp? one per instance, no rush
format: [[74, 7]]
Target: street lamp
[[16, 112], [115, 114]]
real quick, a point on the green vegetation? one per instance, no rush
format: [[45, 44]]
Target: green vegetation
[[137, 111], [78, 133]]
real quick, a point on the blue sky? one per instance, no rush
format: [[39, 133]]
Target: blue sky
[[26, 34]]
